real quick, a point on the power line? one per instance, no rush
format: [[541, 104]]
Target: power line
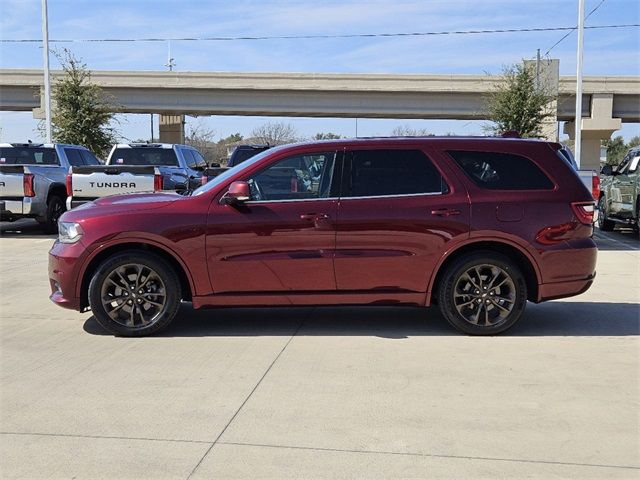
[[311, 37], [574, 28]]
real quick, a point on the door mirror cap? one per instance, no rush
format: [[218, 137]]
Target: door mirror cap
[[607, 170], [238, 193]]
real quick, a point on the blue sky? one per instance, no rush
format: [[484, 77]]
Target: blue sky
[[607, 52]]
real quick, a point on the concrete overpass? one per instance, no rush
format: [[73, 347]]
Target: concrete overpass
[[607, 101]]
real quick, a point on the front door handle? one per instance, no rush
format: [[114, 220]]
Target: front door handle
[[445, 212]]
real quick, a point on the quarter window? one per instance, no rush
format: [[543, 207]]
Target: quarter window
[[298, 177], [391, 172], [501, 171], [74, 157]]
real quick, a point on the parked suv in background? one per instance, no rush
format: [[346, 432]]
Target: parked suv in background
[[476, 225], [32, 180], [138, 167], [620, 193]]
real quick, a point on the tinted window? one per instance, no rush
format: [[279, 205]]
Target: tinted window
[[74, 157], [189, 158], [502, 171], [297, 177], [391, 172], [28, 156], [200, 161], [144, 156], [89, 158]]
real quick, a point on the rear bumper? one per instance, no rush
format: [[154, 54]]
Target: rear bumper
[[72, 203], [552, 291], [25, 207]]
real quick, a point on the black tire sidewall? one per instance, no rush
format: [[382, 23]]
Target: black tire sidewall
[[166, 273], [461, 265], [50, 225], [603, 223]]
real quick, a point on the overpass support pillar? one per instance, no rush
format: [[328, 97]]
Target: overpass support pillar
[[171, 128], [598, 127]]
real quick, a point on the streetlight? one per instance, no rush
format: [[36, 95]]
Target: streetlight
[[47, 82], [578, 121]]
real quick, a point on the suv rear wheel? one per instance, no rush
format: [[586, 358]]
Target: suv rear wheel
[[604, 224], [133, 294], [483, 293], [55, 208]]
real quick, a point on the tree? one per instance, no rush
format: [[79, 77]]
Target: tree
[[82, 115], [203, 139], [407, 131], [326, 136], [277, 133], [517, 103]]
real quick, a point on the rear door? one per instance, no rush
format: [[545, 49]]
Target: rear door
[[397, 214]]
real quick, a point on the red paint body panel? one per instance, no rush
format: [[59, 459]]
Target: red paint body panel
[[338, 250]]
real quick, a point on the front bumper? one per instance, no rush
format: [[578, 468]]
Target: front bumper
[[65, 263]]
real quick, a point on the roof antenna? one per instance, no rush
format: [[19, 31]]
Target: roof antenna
[[170, 60]]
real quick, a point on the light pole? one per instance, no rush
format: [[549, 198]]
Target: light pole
[[578, 121], [47, 81]]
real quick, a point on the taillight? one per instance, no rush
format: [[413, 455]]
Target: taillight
[[157, 182], [584, 212], [69, 184], [27, 185], [203, 180], [595, 187]]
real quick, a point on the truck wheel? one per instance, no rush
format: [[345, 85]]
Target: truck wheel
[[55, 208], [482, 294], [134, 293], [604, 223]]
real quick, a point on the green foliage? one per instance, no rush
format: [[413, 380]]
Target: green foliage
[[517, 103], [408, 131], [617, 149], [81, 114]]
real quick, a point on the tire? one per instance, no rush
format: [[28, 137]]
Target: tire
[[604, 224], [132, 314], [55, 208], [464, 295]]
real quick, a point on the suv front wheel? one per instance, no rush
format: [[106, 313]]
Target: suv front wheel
[[134, 293], [484, 293]]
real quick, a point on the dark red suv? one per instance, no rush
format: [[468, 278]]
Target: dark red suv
[[477, 225]]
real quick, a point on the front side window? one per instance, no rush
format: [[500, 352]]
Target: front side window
[[189, 158], [501, 171], [391, 172], [74, 157], [298, 177]]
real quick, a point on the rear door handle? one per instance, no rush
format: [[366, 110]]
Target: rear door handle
[[314, 216], [445, 212]]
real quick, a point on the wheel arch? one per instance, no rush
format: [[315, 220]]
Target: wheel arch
[[186, 282], [57, 189], [519, 256]]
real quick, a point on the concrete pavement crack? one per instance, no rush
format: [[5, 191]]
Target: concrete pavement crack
[[250, 394], [431, 455]]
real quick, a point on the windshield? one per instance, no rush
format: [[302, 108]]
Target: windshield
[[233, 170], [144, 156], [28, 156]]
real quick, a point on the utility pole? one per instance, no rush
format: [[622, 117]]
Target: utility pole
[[578, 121], [538, 70], [170, 61], [47, 80], [152, 128]]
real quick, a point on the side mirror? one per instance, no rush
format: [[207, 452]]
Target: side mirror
[[607, 170], [238, 193]]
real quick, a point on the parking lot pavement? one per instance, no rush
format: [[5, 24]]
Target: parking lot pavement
[[320, 392]]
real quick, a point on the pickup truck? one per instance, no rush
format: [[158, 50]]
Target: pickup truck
[[619, 201], [590, 178], [138, 167], [32, 180]]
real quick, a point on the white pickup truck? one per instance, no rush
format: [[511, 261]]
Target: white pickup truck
[[590, 178], [137, 167]]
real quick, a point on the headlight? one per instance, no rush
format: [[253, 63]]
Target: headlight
[[69, 232]]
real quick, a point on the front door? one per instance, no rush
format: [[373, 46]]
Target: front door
[[283, 239], [396, 214]]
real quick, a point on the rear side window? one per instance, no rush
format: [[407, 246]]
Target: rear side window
[[74, 157], [89, 158], [28, 156], [391, 172], [144, 156], [501, 171]]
